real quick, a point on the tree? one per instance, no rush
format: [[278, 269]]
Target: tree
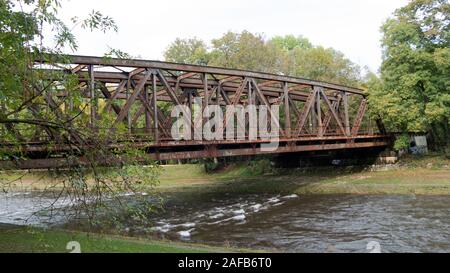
[[243, 51], [413, 92], [288, 55], [24, 115], [189, 51], [290, 42], [323, 64]]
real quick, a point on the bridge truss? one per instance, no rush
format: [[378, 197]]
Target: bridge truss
[[131, 100]]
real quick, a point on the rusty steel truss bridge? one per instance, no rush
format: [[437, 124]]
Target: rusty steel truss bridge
[[137, 95]]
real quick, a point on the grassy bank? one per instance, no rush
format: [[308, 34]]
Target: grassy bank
[[402, 181], [27, 239], [412, 175], [326, 181]]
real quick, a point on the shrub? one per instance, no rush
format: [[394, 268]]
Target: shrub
[[402, 142], [258, 167]]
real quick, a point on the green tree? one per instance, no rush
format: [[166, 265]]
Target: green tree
[[23, 107], [323, 64], [290, 42], [413, 93], [189, 51], [243, 50], [288, 55]]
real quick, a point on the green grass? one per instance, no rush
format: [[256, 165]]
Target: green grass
[[171, 176], [403, 181], [28, 239], [430, 161], [413, 174], [236, 178], [195, 174]]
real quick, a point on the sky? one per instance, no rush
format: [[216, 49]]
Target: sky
[[147, 27]]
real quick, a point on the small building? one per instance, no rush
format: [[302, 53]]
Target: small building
[[418, 144]]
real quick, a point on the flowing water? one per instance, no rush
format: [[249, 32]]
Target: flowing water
[[290, 223], [32, 208]]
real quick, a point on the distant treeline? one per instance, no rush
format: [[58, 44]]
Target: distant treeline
[[411, 92]]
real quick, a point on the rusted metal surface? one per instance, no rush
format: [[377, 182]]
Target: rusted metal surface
[[90, 60], [138, 95], [206, 152], [359, 117]]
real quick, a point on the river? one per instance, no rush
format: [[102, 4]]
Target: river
[[282, 223]]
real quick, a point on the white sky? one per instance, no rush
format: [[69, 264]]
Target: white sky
[[147, 27]]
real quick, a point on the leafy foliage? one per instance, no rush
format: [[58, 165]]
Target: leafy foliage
[[190, 51], [413, 91], [30, 109], [402, 142], [288, 55]]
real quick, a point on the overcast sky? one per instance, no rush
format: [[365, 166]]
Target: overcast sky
[[147, 27]]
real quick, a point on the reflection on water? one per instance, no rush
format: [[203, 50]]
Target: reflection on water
[[288, 223]]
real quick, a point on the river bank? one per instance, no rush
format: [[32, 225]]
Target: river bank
[[424, 175], [23, 239]]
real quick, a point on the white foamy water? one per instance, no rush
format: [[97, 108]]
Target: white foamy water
[[290, 196], [240, 211], [164, 228], [31, 208], [188, 225], [234, 214], [273, 200], [256, 207], [185, 233], [239, 217], [215, 216], [278, 204]]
